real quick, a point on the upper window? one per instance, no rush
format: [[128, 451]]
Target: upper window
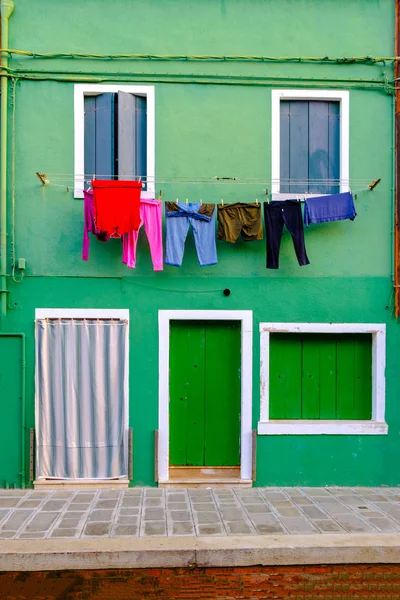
[[310, 145], [114, 134]]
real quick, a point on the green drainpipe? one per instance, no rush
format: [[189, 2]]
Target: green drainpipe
[[6, 8], [23, 403]]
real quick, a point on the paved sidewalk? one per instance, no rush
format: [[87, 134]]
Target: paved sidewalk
[[153, 512]]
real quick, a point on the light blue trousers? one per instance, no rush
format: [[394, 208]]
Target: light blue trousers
[[203, 232]]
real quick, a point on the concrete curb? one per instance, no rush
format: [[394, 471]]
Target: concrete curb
[[137, 553]]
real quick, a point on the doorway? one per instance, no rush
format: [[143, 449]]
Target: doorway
[[204, 394], [205, 397]]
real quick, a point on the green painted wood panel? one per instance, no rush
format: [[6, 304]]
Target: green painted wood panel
[[345, 378], [222, 400], [285, 377], [327, 371], [187, 391], [362, 378], [205, 393], [11, 398], [316, 376], [310, 379]]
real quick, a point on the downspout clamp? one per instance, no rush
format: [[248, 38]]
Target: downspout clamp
[[6, 9]]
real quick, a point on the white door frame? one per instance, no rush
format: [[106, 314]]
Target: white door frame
[[246, 319]]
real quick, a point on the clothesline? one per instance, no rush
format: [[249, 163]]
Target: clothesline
[[296, 195], [197, 179]]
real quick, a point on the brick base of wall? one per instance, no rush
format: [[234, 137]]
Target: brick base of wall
[[327, 582]]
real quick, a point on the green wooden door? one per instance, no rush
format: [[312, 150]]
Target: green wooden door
[[204, 409]]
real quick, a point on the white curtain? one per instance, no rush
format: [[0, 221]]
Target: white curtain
[[81, 420]]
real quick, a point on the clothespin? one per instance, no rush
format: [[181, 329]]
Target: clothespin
[[256, 200], [222, 202], [201, 201], [177, 200], [187, 200], [159, 195], [266, 194]]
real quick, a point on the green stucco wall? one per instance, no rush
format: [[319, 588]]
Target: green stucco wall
[[203, 130]]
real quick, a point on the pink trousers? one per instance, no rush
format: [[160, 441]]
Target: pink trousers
[[150, 217]]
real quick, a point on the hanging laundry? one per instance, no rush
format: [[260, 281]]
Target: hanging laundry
[[151, 219], [276, 215], [89, 225], [240, 218], [335, 207], [117, 206], [202, 219]]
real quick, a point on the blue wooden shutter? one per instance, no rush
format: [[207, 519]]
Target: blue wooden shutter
[[90, 137], [141, 137], [99, 149], [309, 146], [132, 136], [126, 136]]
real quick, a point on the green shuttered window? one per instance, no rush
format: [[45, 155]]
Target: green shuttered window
[[115, 136], [320, 376], [309, 146]]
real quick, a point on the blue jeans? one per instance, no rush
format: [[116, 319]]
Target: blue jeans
[[178, 218]]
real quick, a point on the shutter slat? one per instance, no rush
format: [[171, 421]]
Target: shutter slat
[[126, 136], [90, 137], [284, 147], [105, 155], [298, 152], [141, 137], [318, 146], [334, 145]]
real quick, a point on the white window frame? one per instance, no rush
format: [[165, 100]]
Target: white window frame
[[83, 313], [84, 89], [246, 320], [375, 426], [343, 97]]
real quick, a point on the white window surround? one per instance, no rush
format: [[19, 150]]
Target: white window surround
[[292, 94], [85, 89], [376, 426], [246, 319], [83, 313]]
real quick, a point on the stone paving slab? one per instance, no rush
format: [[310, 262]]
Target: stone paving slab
[[227, 512]]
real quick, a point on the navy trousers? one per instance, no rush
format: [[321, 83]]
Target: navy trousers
[[276, 215]]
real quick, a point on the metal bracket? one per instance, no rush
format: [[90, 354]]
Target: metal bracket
[[253, 454], [156, 432], [130, 453], [32, 448], [374, 184]]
